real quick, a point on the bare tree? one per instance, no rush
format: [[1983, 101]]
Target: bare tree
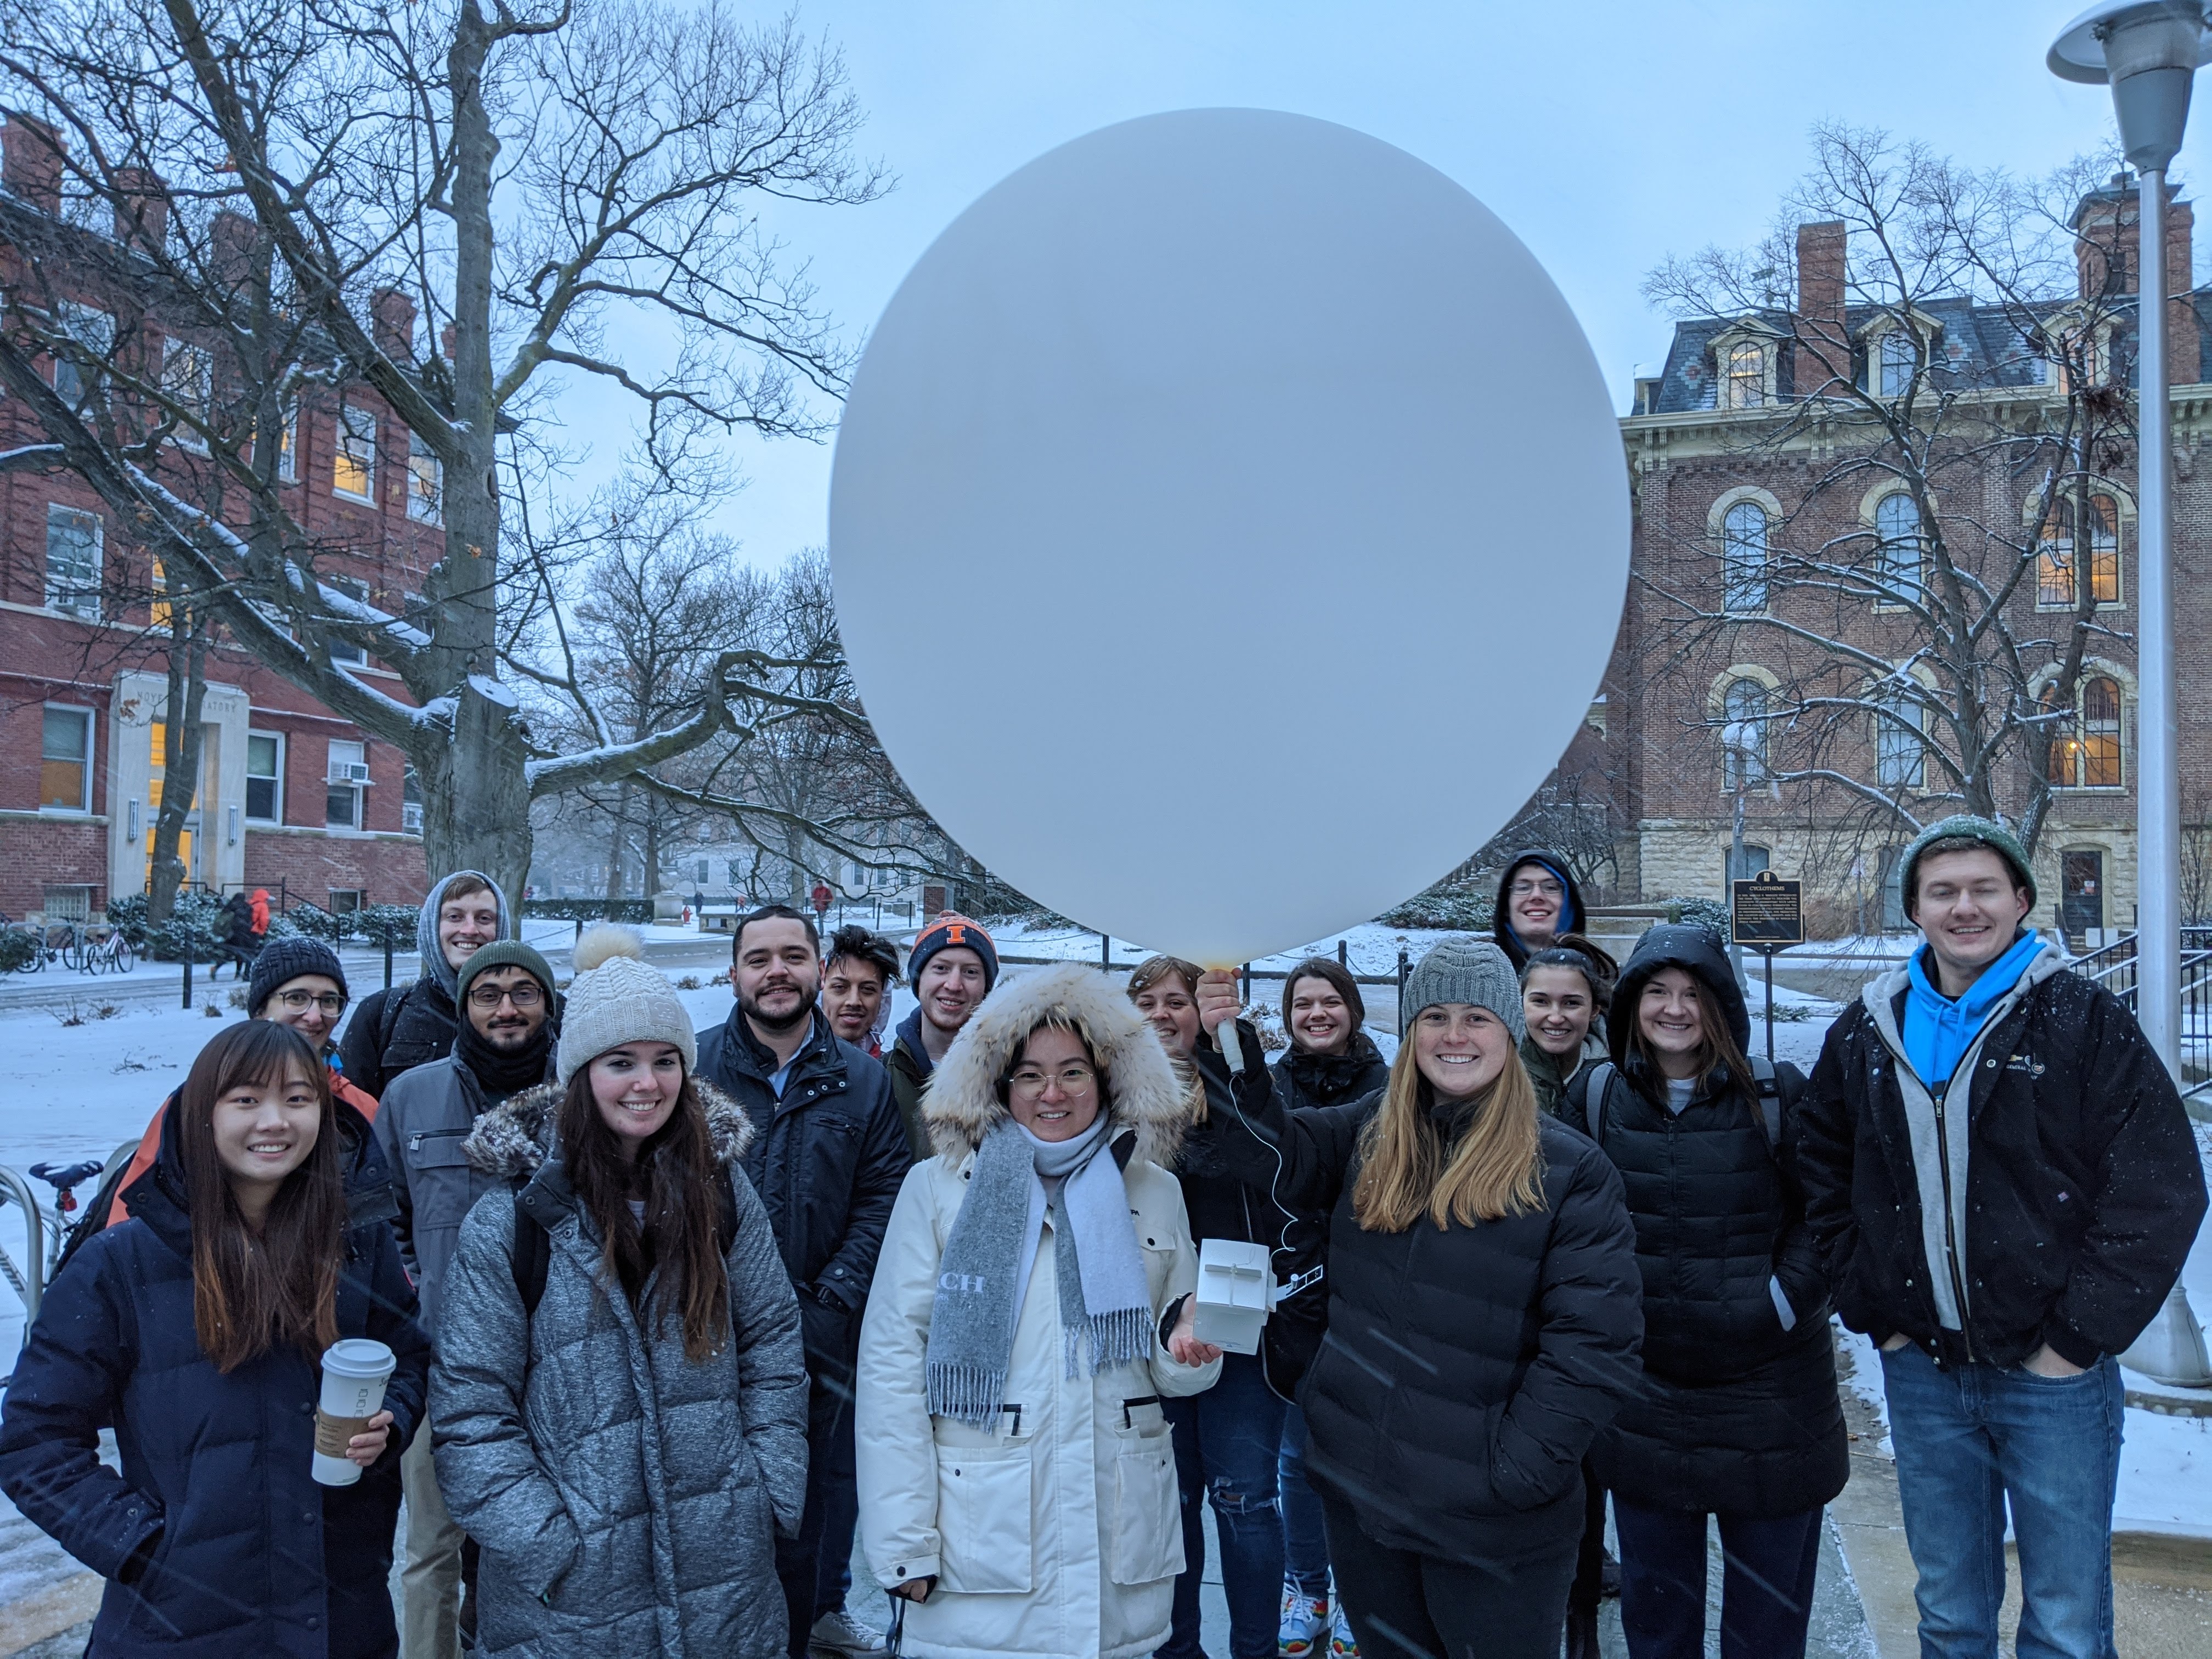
[[555, 188], [1957, 351]]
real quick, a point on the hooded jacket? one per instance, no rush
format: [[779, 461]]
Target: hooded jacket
[[230, 1545], [1466, 1369], [413, 1024], [1060, 1534], [627, 1499], [826, 1159], [907, 1064], [2060, 1215], [1737, 1410], [1305, 1079], [1572, 913]]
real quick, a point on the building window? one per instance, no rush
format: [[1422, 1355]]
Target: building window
[[1898, 360], [264, 777], [410, 801], [67, 902], [2056, 564], [426, 483], [1743, 557], [353, 462], [1755, 860], [73, 541], [2085, 752], [188, 382], [346, 776], [344, 901], [76, 383], [65, 760], [1743, 734], [1743, 376], [1900, 754], [342, 650], [1897, 527]]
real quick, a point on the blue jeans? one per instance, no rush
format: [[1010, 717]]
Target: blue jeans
[[1971, 1441], [1305, 1537], [1226, 1443], [1767, 1572]]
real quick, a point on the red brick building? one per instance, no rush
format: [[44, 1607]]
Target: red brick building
[[289, 793], [1731, 462]]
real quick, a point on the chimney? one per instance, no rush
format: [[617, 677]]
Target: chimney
[[231, 241], [142, 210], [31, 161], [2183, 367], [394, 327], [1824, 340], [448, 338], [2105, 232]]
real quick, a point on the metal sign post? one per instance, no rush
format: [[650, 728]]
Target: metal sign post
[[1767, 914]]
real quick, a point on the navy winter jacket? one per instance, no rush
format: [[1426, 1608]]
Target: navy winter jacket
[[231, 1547]]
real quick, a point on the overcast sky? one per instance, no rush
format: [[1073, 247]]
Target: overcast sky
[[1606, 134]]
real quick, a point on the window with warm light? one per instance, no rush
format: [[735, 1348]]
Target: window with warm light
[[2085, 751], [353, 462], [65, 760], [1743, 376], [2056, 566]]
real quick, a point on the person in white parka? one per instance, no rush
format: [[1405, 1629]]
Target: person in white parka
[[1030, 1308]]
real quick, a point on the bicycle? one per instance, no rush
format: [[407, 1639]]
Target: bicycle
[[27, 947], [104, 947], [48, 1233]]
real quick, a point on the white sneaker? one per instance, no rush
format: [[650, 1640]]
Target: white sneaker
[[1340, 1644], [1304, 1628], [838, 1634]]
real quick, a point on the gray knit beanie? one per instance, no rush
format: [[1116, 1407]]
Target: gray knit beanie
[[1464, 970], [617, 999]]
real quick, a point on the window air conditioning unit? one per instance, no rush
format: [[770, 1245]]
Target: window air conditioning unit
[[410, 818], [349, 772]]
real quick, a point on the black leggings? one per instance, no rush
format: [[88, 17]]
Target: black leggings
[[1405, 1605]]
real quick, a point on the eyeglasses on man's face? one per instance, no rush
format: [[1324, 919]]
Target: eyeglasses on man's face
[[1525, 889], [524, 995], [299, 1001]]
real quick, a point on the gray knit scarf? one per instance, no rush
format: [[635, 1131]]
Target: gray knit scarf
[[1105, 1299]]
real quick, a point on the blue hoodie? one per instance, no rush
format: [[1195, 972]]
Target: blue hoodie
[[1938, 1030]]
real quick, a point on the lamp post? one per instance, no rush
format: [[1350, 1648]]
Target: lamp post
[[2148, 51]]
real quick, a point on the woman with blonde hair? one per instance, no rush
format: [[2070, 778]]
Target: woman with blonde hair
[[1030, 1310], [1483, 1319]]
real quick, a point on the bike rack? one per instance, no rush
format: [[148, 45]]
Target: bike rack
[[30, 1285]]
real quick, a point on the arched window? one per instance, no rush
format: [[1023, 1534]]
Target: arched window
[[1743, 734], [1900, 754], [2085, 751], [1743, 557], [2057, 565], [1896, 525], [1744, 376], [1900, 358]]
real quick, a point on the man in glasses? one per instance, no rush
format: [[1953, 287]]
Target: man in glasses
[[504, 1044], [1537, 901]]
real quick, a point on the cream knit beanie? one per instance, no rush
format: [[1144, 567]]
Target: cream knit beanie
[[616, 998]]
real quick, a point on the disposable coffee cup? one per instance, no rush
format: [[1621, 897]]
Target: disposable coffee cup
[[354, 1372]]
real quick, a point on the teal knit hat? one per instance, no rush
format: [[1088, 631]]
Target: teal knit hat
[[1967, 826]]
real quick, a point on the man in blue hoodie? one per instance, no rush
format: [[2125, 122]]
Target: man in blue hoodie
[[2004, 1182]]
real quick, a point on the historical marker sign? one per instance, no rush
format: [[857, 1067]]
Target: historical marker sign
[[1767, 912]]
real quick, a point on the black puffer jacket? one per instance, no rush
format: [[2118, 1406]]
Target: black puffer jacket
[[2084, 1187], [1572, 912], [1466, 1369], [1737, 1411], [393, 1031], [826, 1160], [1305, 1080], [1220, 1205], [243, 1553]]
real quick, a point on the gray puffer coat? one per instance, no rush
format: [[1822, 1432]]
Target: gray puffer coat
[[627, 1500]]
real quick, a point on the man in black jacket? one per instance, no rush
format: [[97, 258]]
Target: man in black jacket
[[2002, 1244], [828, 1163], [414, 1024]]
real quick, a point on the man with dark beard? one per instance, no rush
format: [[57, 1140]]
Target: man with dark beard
[[826, 1160]]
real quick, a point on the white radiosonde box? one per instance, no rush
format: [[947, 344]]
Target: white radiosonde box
[[1236, 1289]]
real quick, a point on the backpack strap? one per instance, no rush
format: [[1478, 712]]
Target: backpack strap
[[1597, 1088], [1769, 1103]]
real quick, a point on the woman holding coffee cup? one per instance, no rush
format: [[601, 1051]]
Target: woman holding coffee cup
[[196, 1330]]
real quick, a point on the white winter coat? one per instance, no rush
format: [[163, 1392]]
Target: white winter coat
[[1060, 1533]]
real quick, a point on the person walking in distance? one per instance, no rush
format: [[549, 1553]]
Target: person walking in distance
[[505, 1046], [195, 1330], [1331, 1062], [1737, 1416], [1484, 1316], [827, 1156], [619, 1396], [858, 972], [1031, 1314], [1538, 903], [952, 968], [2004, 1182], [414, 1024]]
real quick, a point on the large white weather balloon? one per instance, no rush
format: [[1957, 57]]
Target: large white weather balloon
[[1228, 529]]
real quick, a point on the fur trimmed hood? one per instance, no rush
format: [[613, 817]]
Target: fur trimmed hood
[[1142, 1093], [514, 1139]]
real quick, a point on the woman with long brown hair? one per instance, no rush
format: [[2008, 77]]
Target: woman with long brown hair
[[195, 1330], [619, 1401], [1482, 1318]]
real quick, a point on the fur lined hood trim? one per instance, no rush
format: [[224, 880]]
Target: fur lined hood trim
[[515, 1139], [1142, 1093]]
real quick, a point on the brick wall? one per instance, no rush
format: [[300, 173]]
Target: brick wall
[[387, 869], [37, 849]]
